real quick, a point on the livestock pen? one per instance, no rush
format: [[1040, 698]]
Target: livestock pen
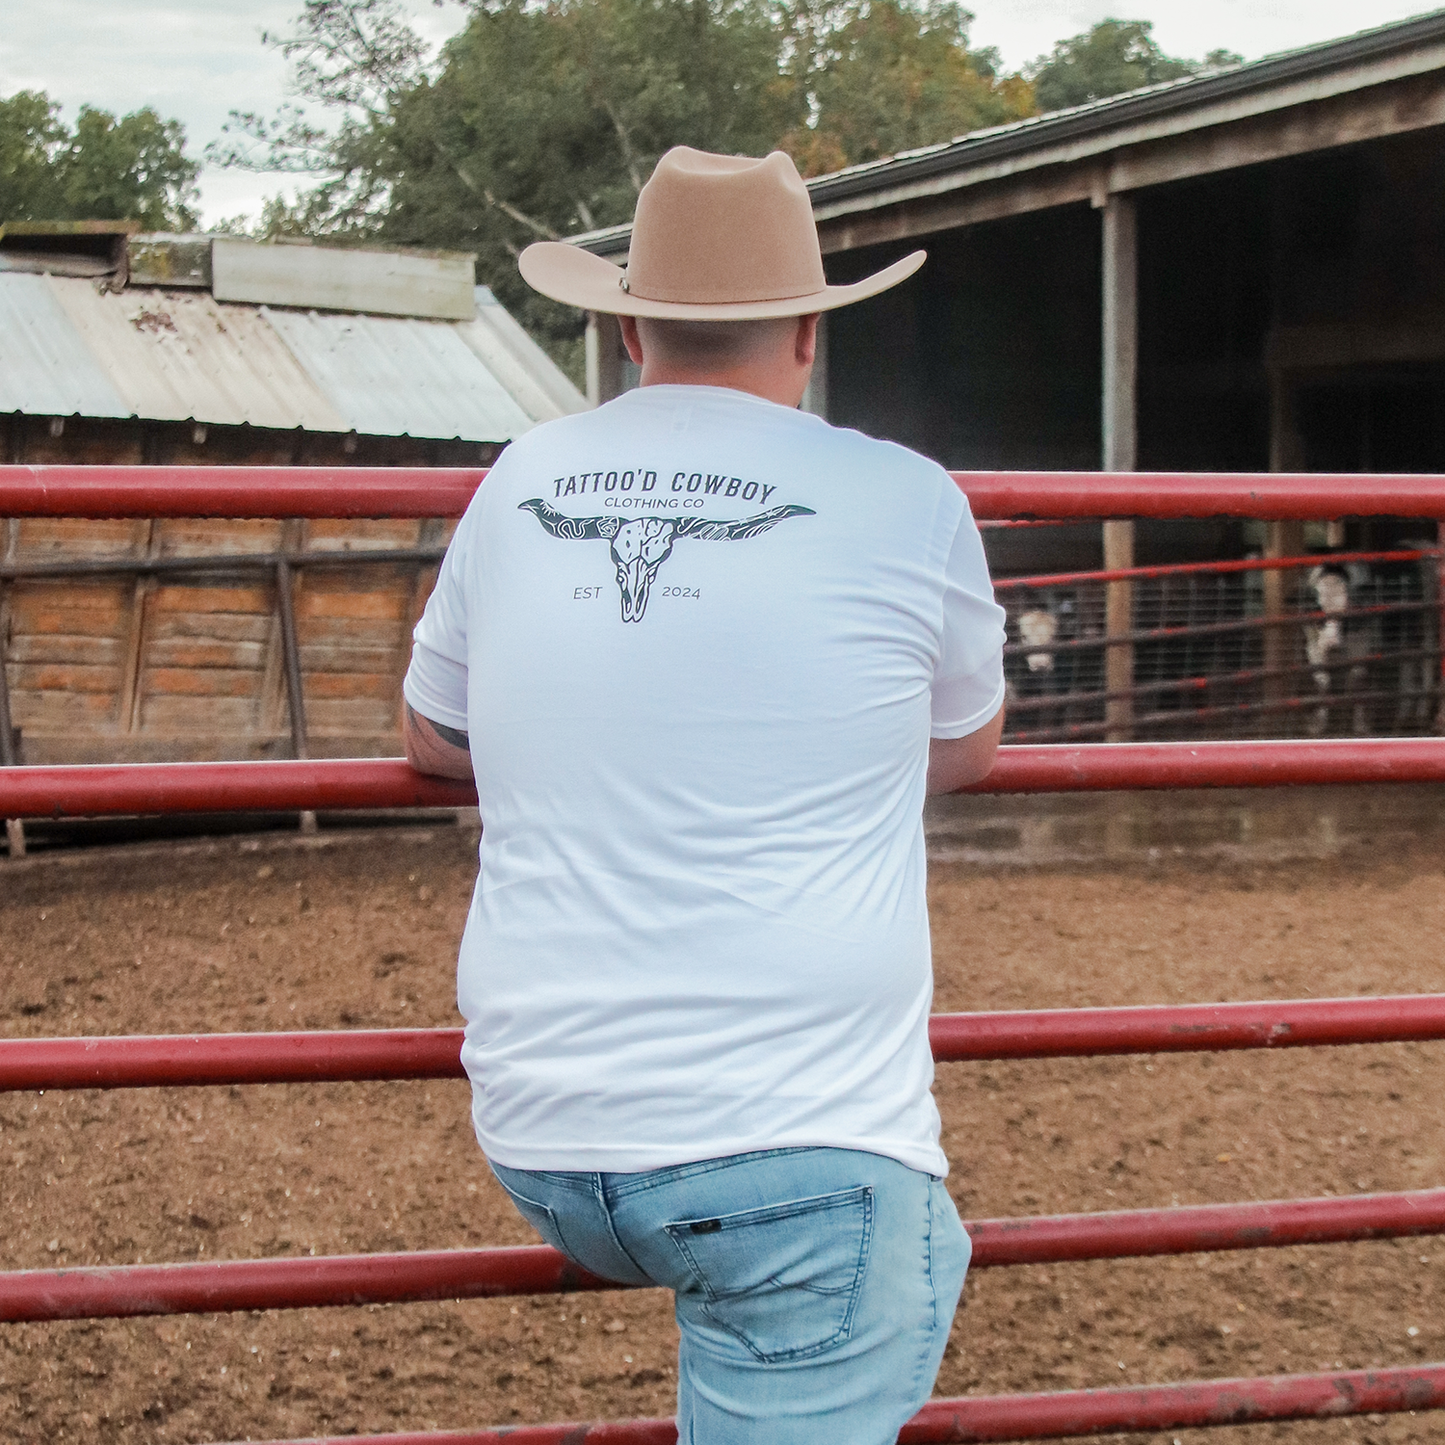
[[368, 1055]]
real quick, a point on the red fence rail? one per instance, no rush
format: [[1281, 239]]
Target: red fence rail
[[1044, 1417], [120, 491], [1210, 569], [359, 1055], [219, 1286], [207, 787], [133, 788]]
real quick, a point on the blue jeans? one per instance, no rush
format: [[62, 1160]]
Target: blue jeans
[[815, 1288]]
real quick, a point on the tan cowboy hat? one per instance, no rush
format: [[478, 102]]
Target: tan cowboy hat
[[716, 238]]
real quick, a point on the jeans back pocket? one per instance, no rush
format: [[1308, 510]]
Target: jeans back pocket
[[784, 1279]]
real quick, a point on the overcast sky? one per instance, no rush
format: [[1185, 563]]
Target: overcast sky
[[198, 59]]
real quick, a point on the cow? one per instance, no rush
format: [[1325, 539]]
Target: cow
[[1388, 651], [1337, 646], [1038, 628], [1039, 671], [640, 545]]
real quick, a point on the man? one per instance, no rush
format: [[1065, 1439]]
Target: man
[[694, 644]]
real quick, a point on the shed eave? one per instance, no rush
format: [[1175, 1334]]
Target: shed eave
[[1332, 68]]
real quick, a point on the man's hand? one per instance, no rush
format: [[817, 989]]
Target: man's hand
[[433, 748], [954, 763]]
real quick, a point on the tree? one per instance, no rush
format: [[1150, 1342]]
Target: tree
[[544, 118], [30, 140], [354, 58], [134, 168], [1113, 57], [540, 120], [895, 75]]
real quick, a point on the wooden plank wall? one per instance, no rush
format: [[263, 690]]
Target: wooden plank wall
[[193, 666]]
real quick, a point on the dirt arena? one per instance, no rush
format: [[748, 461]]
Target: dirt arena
[[361, 931]]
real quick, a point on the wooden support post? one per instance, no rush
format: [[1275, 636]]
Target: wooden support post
[[1282, 539], [14, 828], [148, 540], [815, 398], [604, 358], [291, 649], [128, 706], [1120, 444]]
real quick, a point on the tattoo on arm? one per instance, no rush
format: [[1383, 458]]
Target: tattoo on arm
[[455, 736]]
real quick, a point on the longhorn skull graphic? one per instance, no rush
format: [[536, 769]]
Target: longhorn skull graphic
[[640, 545]]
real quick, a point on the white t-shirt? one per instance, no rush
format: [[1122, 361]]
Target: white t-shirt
[[699, 642]]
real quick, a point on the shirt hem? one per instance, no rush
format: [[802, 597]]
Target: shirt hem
[[588, 1159], [430, 709], [974, 722]]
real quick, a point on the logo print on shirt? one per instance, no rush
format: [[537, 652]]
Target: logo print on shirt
[[640, 545]]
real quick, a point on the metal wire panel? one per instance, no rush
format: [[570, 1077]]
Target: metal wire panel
[[1356, 652]]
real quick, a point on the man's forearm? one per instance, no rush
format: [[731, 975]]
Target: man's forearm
[[432, 747], [954, 763]]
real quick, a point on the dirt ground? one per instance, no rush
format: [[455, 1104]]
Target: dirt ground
[[362, 931]]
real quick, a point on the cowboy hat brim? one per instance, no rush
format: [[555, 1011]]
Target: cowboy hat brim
[[578, 278]]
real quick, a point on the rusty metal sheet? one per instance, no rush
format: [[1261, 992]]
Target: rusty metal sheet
[[395, 376], [186, 358], [70, 348]]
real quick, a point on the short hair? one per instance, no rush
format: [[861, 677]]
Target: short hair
[[713, 344]]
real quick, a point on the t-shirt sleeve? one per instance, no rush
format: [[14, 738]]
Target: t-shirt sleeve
[[968, 686], [436, 681]]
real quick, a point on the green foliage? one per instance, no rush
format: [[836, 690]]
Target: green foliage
[[1115, 56], [543, 118], [30, 139], [133, 168], [355, 58], [546, 120], [897, 75]]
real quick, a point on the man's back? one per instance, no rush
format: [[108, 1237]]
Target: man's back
[[704, 654], [705, 639]]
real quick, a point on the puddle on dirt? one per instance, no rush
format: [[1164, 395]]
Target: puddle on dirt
[[1264, 825]]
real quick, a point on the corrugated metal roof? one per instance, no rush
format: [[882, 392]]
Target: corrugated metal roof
[[69, 348], [45, 369], [393, 375], [183, 357], [518, 362]]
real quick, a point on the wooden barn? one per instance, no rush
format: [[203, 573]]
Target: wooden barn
[[150, 640]]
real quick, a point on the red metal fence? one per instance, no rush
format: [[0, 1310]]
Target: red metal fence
[[413, 1054]]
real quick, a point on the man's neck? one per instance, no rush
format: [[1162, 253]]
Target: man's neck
[[763, 381]]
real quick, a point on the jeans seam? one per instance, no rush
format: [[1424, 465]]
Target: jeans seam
[[659, 1178], [927, 1342], [577, 1183], [605, 1206]]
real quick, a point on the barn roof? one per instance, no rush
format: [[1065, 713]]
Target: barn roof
[[78, 345], [1154, 115]]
